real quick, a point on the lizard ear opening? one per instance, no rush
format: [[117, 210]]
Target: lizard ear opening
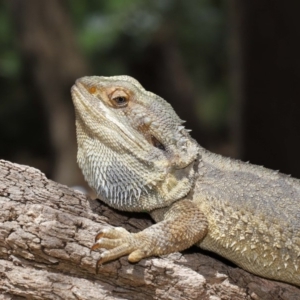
[[157, 144]]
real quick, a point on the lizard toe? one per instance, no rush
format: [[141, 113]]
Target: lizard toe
[[137, 255], [114, 253], [107, 243], [112, 233]]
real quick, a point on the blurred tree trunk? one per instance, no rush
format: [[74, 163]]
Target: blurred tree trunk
[[266, 72], [53, 62], [167, 76]]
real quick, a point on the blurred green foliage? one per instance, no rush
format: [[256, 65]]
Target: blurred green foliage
[[10, 61]]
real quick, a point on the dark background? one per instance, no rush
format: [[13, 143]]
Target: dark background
[[230, 68]]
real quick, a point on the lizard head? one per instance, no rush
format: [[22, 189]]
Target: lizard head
[[132, 147]]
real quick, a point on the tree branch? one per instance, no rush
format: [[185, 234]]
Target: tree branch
[[46, 232]]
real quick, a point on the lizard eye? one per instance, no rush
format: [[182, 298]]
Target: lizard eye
[[119, 98], [157, 144], [120, 101]]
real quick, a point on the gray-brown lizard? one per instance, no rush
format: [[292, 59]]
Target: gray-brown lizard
[[135, 153]]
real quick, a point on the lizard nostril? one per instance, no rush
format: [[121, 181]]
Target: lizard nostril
[[92, 90]]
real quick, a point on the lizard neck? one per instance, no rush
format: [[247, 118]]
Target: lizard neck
[[124, 188]]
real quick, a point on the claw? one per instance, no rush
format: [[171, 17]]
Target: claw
[[95, 246], [99, 235], [98, 265]]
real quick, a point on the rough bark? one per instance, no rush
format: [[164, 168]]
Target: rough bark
[[46, 230]]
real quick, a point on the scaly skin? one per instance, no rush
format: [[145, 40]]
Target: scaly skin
[[135, 153]]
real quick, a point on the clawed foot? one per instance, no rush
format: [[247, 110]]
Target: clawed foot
[[118, 242]]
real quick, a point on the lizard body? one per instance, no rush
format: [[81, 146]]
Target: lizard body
[[136, 154]]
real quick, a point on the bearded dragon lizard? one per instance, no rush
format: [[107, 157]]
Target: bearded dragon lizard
[[136, 154]]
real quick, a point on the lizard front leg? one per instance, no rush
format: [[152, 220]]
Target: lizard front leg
[[182, 226]]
